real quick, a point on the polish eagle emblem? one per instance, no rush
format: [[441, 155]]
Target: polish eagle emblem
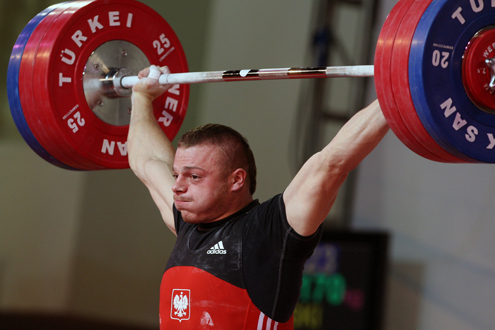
[[180, 305]]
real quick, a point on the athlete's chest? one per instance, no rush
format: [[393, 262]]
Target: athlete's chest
[[217, 251]]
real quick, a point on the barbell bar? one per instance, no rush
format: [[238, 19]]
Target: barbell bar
[[254, 74], [79, 60], [116, 83]]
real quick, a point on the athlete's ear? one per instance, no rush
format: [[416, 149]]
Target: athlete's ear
[[238, 178]]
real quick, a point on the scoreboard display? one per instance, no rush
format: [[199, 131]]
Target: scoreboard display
[[344, 283]]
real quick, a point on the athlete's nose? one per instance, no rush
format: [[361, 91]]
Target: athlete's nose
[[179, 185]]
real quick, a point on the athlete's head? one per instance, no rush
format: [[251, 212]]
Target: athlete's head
[[215, 173], [236, 148]]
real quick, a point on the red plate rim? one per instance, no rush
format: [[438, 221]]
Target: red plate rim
[[55, 147], [383, 79], [401, 88]]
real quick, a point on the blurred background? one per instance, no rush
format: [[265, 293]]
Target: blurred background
[[93, 245]]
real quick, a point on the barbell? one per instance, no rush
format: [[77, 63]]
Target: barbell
[[72, 68]]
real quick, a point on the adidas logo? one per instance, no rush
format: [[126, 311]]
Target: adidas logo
[[217, 249]]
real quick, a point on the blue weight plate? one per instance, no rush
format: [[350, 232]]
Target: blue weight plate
[[437, 90], [13, 88]]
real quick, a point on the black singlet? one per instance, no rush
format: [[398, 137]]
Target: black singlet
[[254, 249]]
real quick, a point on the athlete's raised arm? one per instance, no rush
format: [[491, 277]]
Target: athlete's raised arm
[[151, 154], [311, 194]]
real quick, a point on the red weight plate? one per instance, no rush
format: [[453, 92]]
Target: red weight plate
[[60, 64], [382, 66], [475, 73], [55, 147], [44, 115], [400, 85], [383, 83], [13, 88]]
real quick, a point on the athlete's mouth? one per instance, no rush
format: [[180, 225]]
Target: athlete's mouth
[[181, 199]]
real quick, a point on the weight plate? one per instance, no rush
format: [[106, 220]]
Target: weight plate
[[13, 87], [401, 89], [61, 62], [56, 147], [383, 83], [435, 67], [382, 64]]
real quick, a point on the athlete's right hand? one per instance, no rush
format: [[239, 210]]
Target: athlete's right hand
[[148, 85]]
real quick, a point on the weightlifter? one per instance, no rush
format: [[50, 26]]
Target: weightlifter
[[237, 263]]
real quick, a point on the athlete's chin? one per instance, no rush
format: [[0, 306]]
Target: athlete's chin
[[192, 214], [186, 208], [188, 216]]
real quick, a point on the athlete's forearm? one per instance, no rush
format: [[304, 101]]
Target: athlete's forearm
[[146, 141], [357, 138]]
